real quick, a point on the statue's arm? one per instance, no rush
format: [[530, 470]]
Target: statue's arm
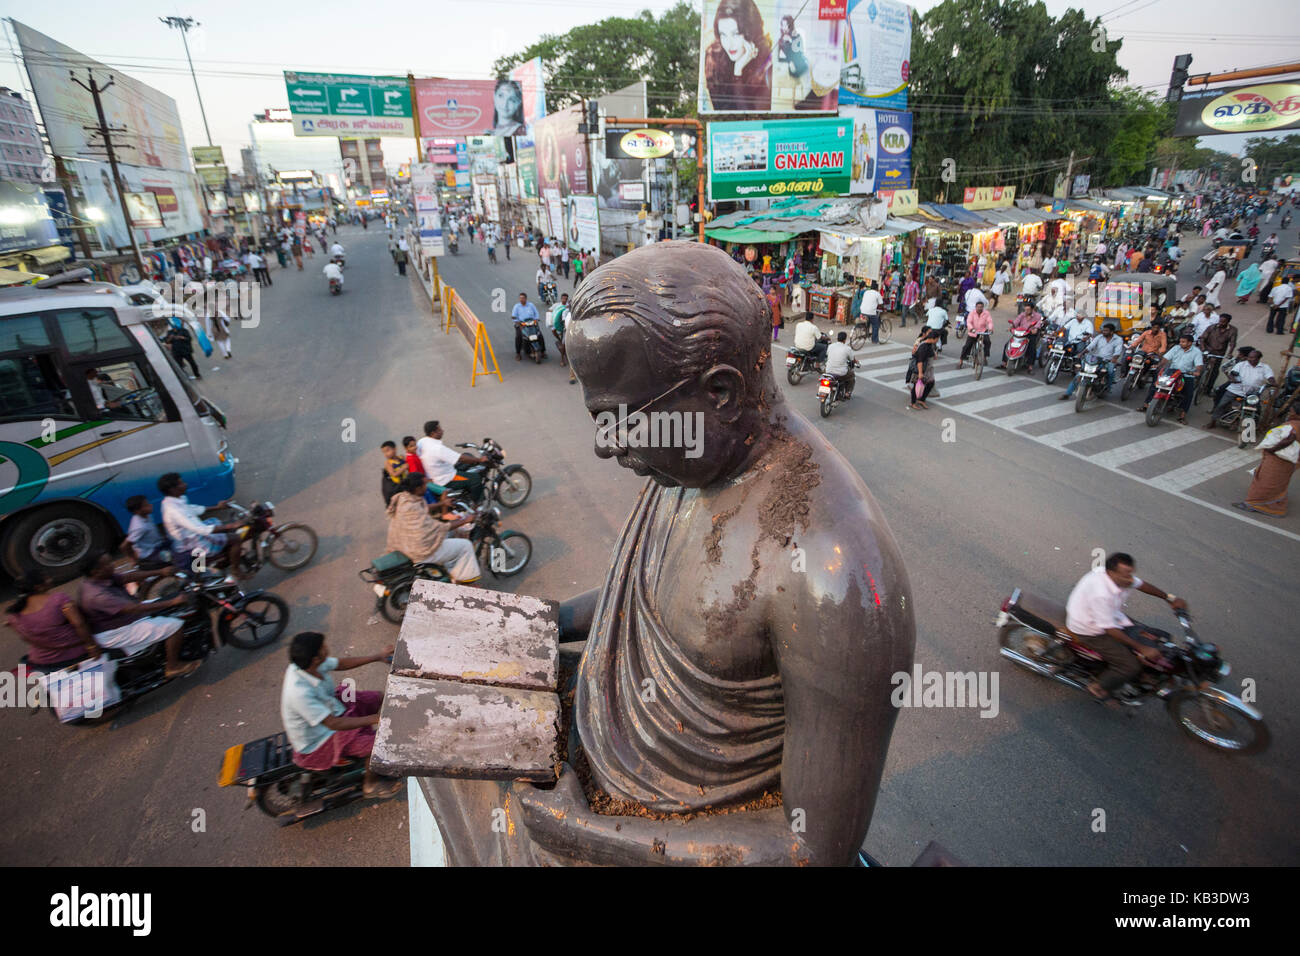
[[836, 661], [576, 614]]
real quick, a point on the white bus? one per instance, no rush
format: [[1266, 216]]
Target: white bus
[[92, 411]]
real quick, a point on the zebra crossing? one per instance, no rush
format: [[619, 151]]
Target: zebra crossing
[[1173, 458]]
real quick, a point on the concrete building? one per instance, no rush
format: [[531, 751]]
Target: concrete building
[[276, 150], [22, 156]]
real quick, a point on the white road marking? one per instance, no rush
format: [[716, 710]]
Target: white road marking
[[1042, 414], [970, 408], [1098, 426], [1135, 451], [1191, 475]]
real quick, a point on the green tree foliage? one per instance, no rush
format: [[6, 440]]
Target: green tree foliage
[[598, 58], [1006, 91], [1273, 156]]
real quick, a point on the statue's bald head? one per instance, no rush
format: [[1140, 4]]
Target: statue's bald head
[[694, 307]]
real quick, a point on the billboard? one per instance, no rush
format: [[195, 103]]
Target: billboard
[[470, 107], [527, 160], [151, 125], [583, 215], [882, 150], [532, 89], [562, 161], [428, 209], [763, 159], [440, 150], [626, 142], [482, 153], [178, 195], [29, 224], [877, 54], [768, 56], [344, 104], [554, 212], [143, 208], [1257, 108]]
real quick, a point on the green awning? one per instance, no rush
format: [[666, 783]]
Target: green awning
[[741, 234]]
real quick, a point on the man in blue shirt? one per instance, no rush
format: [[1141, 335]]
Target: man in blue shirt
[[326, 723], [525, 311], [1186, 358]]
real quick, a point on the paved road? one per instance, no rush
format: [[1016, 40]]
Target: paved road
[[999, 506]]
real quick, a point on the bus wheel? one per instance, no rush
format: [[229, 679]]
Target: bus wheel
[[54, 539]]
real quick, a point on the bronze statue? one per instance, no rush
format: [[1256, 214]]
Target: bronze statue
[[732, 701], [757, 605]]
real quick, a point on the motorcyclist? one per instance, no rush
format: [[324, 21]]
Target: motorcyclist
[[1246, 378], [337, 252], [1094, 615], [1153, 341], [545, 277], [1076, 327], [1186, 358], [333, 271], [807, 338], [1024, 321], [840, 363], [525, 311], [1107, 348]]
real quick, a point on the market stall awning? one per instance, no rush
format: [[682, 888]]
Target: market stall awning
[[844, 240], [1085, 205], [1015, 216], [747, 234]]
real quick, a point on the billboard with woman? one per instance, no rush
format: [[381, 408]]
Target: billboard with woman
[[768, 56]]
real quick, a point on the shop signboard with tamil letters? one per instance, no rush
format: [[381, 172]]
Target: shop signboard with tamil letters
[[1257, 108], [776, 159]]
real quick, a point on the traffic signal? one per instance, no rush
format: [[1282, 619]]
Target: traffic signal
[[593, 116], [1178, 77]]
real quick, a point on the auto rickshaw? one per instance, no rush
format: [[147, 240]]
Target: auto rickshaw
[[1288, 270], [1126, 298]]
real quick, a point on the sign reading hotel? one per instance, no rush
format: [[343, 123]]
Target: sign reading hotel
[[764, 159]]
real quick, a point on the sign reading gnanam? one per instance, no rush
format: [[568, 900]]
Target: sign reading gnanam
[[767, 158]]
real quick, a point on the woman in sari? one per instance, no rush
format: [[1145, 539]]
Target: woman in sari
[[1267, 493], [1248, 281]]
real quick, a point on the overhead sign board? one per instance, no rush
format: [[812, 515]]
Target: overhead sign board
[[341, 104], [207, 155], [988, 197], [625, 143], [1257, 108]]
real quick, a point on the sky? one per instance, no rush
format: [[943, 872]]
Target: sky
[[243, 46]]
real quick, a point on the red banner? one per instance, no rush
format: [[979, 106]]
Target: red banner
[[831, 9]]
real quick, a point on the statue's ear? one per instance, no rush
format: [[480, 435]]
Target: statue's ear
[[725, 388]]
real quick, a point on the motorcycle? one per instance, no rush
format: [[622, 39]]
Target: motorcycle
[[336, 286], [549, 295], [281, 789], [287, 546], [339, 260], [453, 244], [1287, 394], [244, 620], [1243, 417], [799, 362], [502, 553], [830, 392], [532, 334], [1063, 356], [1018, 349], [492, 482], [1032, 633], [1092, 382], [1139, 367], [1168, 384]]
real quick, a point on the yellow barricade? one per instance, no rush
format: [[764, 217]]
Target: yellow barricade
[[455, 313]]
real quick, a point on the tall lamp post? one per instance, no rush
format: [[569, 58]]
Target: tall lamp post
[[185, 24]]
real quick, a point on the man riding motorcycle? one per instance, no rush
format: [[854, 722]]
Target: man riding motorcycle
[[1107, 348], [337, 253], [807, 338], [333, 272], [1186, 358], [1094, 615]]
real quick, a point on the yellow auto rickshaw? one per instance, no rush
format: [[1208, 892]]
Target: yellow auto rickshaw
[[1126, 298]]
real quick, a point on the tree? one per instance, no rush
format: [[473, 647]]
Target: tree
[[598, 58], [1273, 156], [1006, 92]]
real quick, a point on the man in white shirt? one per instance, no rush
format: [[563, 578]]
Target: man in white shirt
[[1095, 615], [1279, 301], [333, 271], [1062, 287], [1246, 378], [839, 362], [439, 461], [974, 295], [1202, 320], [1032, 285], [936, 317], [807, 338], [336, 251], [1076, 327], [1049, 265], [870, 310], [194, 539]]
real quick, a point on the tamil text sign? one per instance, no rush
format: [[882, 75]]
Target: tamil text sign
[[779, 158], [342, 104], [1241, 109]]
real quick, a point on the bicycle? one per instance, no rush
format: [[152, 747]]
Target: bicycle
[[979, 356], [1203, 380], [862, 329]]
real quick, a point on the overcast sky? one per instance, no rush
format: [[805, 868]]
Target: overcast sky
[[244, 45]]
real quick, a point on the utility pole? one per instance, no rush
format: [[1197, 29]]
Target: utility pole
[[185, 24], [105, 131]]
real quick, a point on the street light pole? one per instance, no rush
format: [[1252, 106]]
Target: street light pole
[[185, 24]]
